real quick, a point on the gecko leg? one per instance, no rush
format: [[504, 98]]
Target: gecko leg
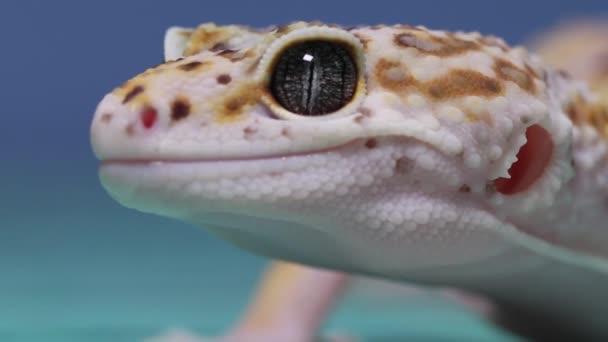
[[290, 304]]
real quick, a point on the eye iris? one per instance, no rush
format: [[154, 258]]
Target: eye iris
[[314, 77]]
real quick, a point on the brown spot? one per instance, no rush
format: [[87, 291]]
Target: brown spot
[[224, 79], [460, 83], [190, 66], [465, 188], [227, 53], [180, 108], [205, 37], [130, 129], [249, 131], [510, 72], [404, 165], [133, 93], [106, 118], [594, 114], [426, 43], [371, 143], [392, 75], [236, 55], [285, 132], [234, 103], [365, 111], [219, 47]]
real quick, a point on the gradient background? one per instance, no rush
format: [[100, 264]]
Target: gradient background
[[74, 265]]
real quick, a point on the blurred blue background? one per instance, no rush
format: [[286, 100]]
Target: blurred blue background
[[74, 265]]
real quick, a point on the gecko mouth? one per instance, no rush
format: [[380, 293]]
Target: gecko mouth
[[360, 143], [368, 143], [162, 180]]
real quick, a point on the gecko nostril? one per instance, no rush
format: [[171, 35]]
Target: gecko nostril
[[148, 117]]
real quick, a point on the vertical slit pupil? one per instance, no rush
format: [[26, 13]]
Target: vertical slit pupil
[[314, 77]]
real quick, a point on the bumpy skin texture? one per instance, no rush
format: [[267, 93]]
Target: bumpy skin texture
[[410, 182]]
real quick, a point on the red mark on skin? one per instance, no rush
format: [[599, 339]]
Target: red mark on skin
[[148, 117], [532, 160]]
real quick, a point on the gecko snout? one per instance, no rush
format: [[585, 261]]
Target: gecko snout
[[118, 126]]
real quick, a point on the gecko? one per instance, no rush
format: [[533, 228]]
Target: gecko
[[399, 152]]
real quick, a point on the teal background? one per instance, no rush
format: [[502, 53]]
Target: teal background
[[74, 265]]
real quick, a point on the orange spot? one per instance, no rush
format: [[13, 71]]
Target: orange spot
[[532, 160], [231, 106], [427, 43], [594, 114], [461, 82], [508, 71], [392, 75]]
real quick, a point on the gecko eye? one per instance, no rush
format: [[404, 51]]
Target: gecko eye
[[314, 77], [314, 72]]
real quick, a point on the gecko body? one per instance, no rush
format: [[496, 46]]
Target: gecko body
[[401, 152]]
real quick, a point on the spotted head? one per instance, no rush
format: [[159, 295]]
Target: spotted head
[[324, 144]]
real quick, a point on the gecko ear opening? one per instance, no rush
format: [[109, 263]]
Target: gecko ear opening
[[176, 41]]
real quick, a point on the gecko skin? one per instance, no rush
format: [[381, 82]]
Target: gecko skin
[[409, 154]]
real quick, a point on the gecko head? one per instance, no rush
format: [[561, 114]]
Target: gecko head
[[364, 148]]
